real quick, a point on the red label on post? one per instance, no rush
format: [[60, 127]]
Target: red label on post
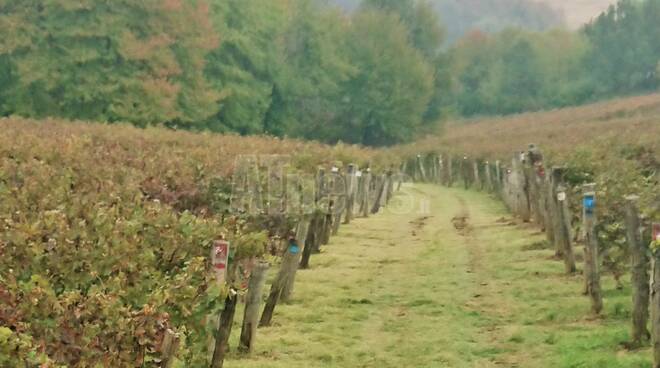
[[219, 259], [656, 232]]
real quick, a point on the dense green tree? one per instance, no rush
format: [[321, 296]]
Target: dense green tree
[[625, 51], [310, 68], [126, 60], [420, 19], [242, 67], [517, 71], [390, 92]]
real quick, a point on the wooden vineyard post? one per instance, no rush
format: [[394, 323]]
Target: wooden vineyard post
[[312, 241], [441, 171], [389, 189], [655, 297], [476, 178], [521, 189], [498, 176], [317, 230], [507, 189], [442, 166], [380, 193], [550, 211], [489, 178], [327, 223], [557, 194], [323, 192], [399, 180], [224, 329], [289, 259], [639, 273], [420, 165], [432, 168], [386, 186], [299, 240], [564, 223], [252, 307], [591, 261], [450, 172], [533, 168], [351, 185], [404, 167], [366, 193], [169, 348], [465, 172], [338, 185]]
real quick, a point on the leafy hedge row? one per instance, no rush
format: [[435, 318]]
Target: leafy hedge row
[[105, 234]]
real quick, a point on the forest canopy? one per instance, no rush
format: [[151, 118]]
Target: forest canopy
[[378, 75]]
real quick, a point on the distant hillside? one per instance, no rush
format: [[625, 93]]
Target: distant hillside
[[579, 12], [630, 120], [461, 16]]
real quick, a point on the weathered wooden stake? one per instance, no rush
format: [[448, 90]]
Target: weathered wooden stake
[[380, 194], [366, 193], [327, 223], [489, 179], [450, 172], [351, 186], [442, 167], [252, 307], [548, 207], [498, 176], [521, 187], [420, 165], [564, 223], [465, 172], [312, 242], [533, 162], [339, 191], [290, 257], [639, 273], [592, 269], [476, 178], [655, 308], [300, 237], [557, 196], [224, 330], [169, 348]]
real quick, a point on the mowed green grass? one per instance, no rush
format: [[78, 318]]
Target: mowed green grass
[[406, 289]]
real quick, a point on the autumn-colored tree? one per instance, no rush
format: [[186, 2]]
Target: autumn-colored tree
[[122, 61]]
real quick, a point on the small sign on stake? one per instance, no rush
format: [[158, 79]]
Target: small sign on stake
[[561, 196], [589, 202], [358, 174], [220, 259], [293, 246]]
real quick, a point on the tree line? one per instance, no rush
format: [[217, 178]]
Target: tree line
[[375, 76], [515, 71]]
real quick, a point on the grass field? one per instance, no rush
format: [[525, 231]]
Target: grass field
[[407, 289]]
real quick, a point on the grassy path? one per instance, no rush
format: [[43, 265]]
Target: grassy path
[[409, 289]]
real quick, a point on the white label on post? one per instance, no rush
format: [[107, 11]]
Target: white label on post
[[220, 259], [358, 174], [561, 196], [335, 169]]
